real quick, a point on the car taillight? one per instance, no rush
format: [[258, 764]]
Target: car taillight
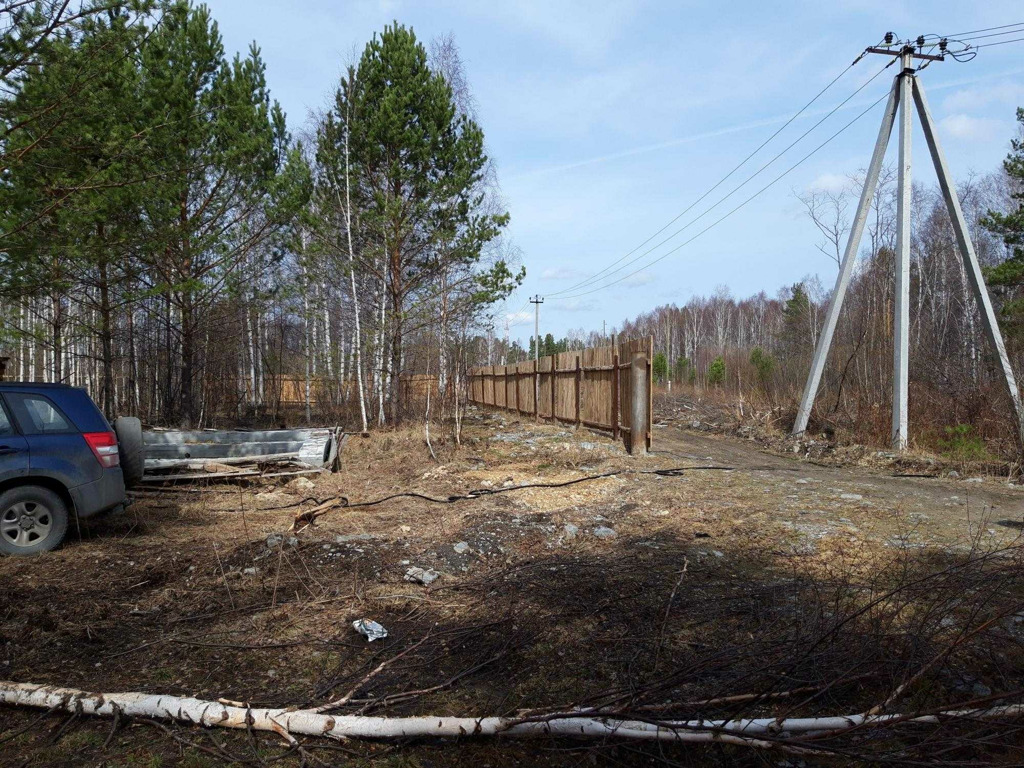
[[104, 447]]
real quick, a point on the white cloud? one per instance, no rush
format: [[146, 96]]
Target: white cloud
[[640, 278], [519, 318], [577, 305], [561, 273], [584, 28], [961, 126], [829, 182], [1007, 93]]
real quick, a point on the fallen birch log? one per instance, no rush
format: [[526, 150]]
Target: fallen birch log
[[765, 733]]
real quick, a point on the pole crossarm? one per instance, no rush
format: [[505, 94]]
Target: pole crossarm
[[904, 51]]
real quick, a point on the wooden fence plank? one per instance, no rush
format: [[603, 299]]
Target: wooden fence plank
[[589, 387]]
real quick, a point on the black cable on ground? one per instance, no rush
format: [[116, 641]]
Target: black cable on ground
[[343, 503]]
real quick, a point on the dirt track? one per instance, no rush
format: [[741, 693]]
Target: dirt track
[[943, 510]]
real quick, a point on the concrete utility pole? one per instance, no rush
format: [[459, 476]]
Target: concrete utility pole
[[638, 406], [901, 326], [504, 357], [536, 301], [906, 86]]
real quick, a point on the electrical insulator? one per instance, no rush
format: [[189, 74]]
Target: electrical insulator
[[942, 45], [920, 41], [888, 38]]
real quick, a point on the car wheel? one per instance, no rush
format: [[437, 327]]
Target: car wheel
[[130, 449], [33, 519]]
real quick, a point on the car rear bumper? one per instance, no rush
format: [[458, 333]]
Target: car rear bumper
[[103, 494]]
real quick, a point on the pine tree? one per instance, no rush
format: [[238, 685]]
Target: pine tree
[[1010, 226], [69, 209], [795, 317], [659, 367], [716, 372], [420, 165], [225, 181]]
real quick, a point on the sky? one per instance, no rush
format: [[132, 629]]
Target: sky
[[608, 119]]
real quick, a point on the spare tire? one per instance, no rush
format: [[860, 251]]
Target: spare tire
[[130, 449]]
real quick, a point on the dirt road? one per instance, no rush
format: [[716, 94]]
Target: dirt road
[[940, 510]]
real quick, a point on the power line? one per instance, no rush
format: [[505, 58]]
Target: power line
[[1008, 29], [986, 29], [719, 182], [741, 205], [982, 37], [592, 279], [1001, 42]]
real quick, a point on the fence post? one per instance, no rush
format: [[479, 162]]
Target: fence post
[[517, 389], [579, 390], [554, 379], [615, 393], [649, 433], [638, 406], [537, 389]]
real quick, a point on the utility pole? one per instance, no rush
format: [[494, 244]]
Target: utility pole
[[901, 326], [536, 301], [907, 87]]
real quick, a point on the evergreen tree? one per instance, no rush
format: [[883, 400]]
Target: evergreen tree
[[716, 372], [659, 367], [226, 182], [68, 210], [1010, 226], [795, 317], [764, 364], [420, 164]]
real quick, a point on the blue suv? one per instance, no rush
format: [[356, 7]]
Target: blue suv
[[59, 457]]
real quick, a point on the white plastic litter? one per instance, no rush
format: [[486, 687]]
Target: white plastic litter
[[370, 629]]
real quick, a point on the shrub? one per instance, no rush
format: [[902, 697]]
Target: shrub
[[716, 371], [962, 444], [763, 363], [659, 367]]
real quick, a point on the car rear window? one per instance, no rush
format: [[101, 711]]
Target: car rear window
[[6, 428], [37, 415]]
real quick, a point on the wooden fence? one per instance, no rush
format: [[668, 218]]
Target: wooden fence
[[589, 387]]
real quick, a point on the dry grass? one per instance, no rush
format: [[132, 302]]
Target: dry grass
[[715, 584]]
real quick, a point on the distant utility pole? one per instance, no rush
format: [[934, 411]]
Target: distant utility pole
[[536, 301], [905, 87]]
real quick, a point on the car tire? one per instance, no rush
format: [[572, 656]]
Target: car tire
[[33, 519], [130, 449]]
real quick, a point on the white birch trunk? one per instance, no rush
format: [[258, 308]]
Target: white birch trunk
[[306, 340], [356, 332], [289, 723], [379, 354]]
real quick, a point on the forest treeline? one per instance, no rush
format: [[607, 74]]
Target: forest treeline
[[166, 242], [758, 350]]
